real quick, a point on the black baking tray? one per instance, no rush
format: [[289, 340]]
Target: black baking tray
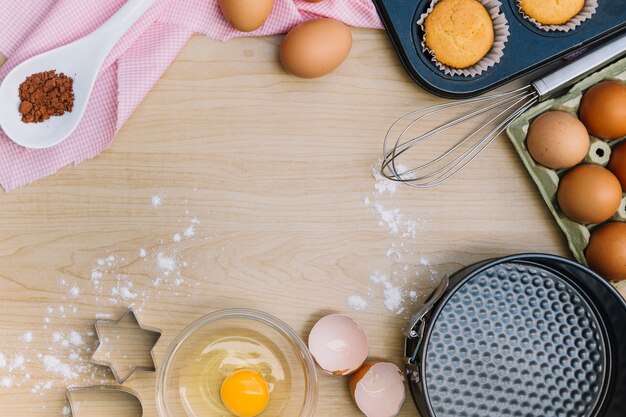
[[525, 335], [528, 49]]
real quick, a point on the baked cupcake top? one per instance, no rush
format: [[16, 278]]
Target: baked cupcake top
[[459, 32], [551, 12]]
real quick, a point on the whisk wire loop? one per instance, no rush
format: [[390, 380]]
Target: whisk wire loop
[[428, 174]]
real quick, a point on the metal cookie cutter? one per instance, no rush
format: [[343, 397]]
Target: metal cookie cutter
[[94, 401], [117, 350], [111, 352]]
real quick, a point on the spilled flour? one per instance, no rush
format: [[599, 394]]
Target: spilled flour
[[114, 280], [396, 287]]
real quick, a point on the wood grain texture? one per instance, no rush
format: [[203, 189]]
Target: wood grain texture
[[277, 171]]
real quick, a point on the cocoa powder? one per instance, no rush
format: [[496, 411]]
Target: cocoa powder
[[44, 95]]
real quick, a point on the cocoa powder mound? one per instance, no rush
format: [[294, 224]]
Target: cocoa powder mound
[[44, 95]]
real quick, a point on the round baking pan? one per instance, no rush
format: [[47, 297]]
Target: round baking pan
[[521, 336]]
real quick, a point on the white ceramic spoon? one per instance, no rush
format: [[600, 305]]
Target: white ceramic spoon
[[80, 60]]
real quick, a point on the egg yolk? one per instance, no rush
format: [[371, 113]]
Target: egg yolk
[[245, 393]]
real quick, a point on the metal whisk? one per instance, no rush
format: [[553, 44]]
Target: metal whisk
[[498, 111]]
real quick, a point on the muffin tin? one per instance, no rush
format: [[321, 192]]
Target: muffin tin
[[528, 48], [547, 180]]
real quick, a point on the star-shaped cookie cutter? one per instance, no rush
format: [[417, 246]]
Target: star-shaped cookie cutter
[[104, 356]]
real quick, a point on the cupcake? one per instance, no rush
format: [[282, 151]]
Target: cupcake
[[557, 15], [464, 37], [459, 32], [551, 12]]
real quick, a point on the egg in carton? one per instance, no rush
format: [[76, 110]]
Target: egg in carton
[[547, 180]]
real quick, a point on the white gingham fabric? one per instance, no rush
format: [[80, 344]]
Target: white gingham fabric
[[29, 27]]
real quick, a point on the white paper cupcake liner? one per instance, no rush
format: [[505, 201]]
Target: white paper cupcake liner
[[588, 10], [501, 35]]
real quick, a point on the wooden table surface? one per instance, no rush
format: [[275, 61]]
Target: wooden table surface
[[274, 173]]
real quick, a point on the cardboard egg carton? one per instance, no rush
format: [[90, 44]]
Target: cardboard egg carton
[[547, 180]]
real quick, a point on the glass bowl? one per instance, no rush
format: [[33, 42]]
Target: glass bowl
[[220, 343]]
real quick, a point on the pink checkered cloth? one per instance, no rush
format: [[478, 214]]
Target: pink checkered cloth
[[29, 27]]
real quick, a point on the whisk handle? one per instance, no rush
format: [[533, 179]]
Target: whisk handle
[[580, 67]]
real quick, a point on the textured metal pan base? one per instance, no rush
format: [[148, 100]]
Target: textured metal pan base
[[516, 340]]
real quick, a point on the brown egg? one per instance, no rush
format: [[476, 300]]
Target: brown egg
[[246, 15], [603, 110], [316, 47], [589, 194], [606, 252], [557, 140], [617, 165]]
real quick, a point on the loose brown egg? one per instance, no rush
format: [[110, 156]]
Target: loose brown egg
[[617, 164], [606, 252], [316, 47], [557, 140], [603, 110], [246, 15], [589, 194]]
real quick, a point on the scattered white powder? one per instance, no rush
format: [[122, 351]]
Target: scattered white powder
[[125, 291], [66, 411], [156, 201], [75, 339], [176, 237], [378, 278], [165, 263], [190, 231], [17, 362], [358, 303], [393, 297], [64, 358], [53, 365], [413, 295], [382, 184], [397, 223]]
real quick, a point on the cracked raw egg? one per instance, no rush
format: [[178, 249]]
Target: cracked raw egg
[[245, 393]]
